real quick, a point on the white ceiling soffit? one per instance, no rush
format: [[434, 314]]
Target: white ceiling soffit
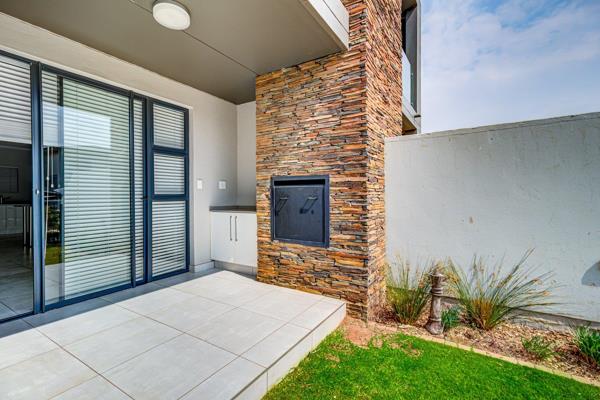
[[228, 43]]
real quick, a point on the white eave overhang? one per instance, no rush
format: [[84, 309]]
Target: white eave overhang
[[333, 17]]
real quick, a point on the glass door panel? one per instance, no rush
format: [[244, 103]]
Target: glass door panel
[[86, 162], [139, 194], [168, 237], [169, 194], [16, 255]]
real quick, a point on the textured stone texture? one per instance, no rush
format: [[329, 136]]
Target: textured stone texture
[[331, 116]]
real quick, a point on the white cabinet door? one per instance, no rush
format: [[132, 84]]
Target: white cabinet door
[[245, 237], [221, 236]]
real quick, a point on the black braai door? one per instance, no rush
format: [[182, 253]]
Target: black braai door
[[300, 210]]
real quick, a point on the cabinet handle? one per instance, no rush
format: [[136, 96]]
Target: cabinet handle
[[236, 228], [230, 238]]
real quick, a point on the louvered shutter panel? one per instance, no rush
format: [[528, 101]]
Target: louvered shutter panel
[[168, 236], [97, 236], [15, 101], [169, 216], [138, 155]]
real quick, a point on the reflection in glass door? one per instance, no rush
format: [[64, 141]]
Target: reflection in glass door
[[86, 153], [16, 255]]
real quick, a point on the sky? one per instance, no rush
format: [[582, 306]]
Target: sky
[[491, 61]]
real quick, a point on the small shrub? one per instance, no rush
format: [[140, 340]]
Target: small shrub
[[408, 290], [489, 297], [451, 317], [588, 342], [538, 347]]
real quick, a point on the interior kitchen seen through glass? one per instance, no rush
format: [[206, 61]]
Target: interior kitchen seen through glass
[[16, 255]]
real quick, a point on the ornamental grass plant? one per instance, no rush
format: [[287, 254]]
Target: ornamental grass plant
[[492, 295], [587, 341], [408, 289]]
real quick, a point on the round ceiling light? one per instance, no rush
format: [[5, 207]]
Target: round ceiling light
[[171, 14]]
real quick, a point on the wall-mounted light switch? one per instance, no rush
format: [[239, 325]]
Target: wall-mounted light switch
[[199, 184], [222, 185]]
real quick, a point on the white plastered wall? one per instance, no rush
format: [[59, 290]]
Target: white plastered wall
[[246, 153], [497, 191]]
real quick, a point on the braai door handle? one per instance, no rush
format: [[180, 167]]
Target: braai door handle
[[236, 228], [230, 238]]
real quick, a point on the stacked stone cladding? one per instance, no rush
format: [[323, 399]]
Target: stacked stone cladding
[[330, 116]]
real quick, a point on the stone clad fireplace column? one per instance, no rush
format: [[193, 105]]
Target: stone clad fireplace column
[[330, 117]]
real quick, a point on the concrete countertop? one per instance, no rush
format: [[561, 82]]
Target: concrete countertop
[[248, 209]]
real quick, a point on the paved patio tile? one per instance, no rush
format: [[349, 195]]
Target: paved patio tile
[[328, 326], [19, 347], [225, 291], [169, 370], [278, 370], [237, 330], [333, 301], [75, 328], [68, 330], [190, 313], [43, 376], [315, 314], [301, 293], [135, 339], [283, 305], [274, 346], [123, 295], [154, 301], [178, 279], [189, 285], [236, 277], [229, 381], [66, 312], [96, 388], [116, 345]]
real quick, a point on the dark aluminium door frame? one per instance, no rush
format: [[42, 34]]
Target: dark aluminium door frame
[[37, 185], [150, 197]]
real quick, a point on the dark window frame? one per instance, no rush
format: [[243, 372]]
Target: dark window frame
[[36, 69]]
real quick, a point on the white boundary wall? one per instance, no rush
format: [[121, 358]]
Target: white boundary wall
[[499, 190]]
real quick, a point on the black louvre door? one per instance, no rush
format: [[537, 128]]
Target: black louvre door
[[300, 211]]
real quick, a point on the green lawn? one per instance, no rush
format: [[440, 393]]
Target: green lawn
[[404, 367]]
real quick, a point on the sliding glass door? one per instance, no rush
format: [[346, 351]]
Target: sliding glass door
[[16, 255], [87, 203], [93, 188]]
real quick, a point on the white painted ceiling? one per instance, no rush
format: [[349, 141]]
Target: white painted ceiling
[[228, 44]]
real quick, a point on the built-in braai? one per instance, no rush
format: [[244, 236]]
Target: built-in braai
[[300, 209]]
